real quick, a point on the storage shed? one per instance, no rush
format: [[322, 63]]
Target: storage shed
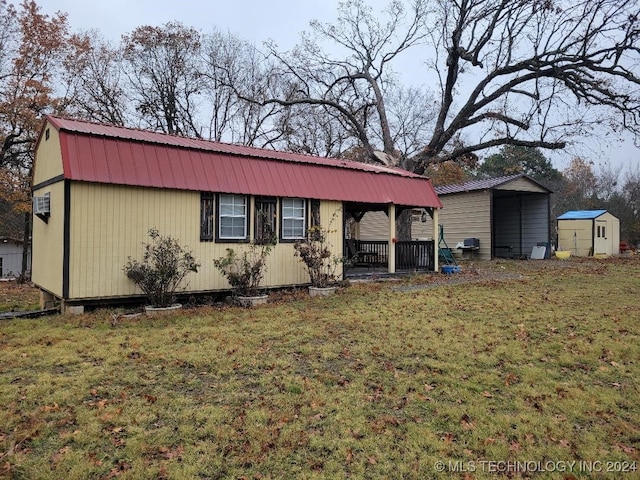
[[507, 215], [589, 233], [98, 189], [11, 252]]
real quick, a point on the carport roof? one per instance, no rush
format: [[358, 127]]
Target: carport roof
[[484, 184], [93, 152]]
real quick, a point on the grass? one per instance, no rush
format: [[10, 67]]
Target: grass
[[18, 297], [382, 380]]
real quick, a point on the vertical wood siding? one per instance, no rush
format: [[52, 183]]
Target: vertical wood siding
[[47, 238], [576, 236], [47, 243], [109, 223], [48, 162]]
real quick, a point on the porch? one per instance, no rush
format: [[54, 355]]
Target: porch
[[365, 257]]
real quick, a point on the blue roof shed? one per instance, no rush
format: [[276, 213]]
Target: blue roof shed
[[581, 214]]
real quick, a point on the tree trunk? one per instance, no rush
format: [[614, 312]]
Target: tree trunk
[[403, 225], [26, 248]]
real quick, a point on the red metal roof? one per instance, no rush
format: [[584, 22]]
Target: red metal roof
[[99, 153]]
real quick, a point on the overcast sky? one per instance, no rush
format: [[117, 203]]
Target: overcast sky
[[254, 20], [281, 21]]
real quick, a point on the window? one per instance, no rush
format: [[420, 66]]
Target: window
[[265, 227], [232, 217], [206, 216], [294, 216], [315, 213]]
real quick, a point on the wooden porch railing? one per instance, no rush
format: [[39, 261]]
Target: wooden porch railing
[[414, 255], [410, 255]]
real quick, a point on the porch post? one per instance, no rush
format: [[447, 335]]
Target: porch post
[[436, 240], [392, 235]]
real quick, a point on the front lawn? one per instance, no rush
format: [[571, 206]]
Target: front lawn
[[16, 296], [518, 373]]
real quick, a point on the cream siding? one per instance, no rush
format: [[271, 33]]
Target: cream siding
[[109, 223], [576, 236], [48, 163], [521, 185], [614, 234], [465, 215], [423, 230], [48, 242], [48, 238], [373, 226]]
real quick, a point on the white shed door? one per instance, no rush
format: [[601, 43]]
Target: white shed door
[[601, 244]]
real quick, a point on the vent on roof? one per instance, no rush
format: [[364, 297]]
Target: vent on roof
[[42, 206]]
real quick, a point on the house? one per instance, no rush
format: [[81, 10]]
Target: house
[[98, 189], [589, 233], [11, 251], [505, 216]]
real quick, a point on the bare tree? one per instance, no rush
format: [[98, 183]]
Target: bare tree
[[31, 49], [356, 82], [315, 130], [532, 73], [221, 59], [95, 84], [162, 67], [230, 65], [411, 113]]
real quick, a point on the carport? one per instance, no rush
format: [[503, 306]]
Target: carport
[[507, 215]]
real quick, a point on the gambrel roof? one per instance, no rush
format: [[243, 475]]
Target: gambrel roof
[[100, 153]]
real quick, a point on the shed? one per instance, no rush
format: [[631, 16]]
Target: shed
[[98, 189], [507, 215], [11, 251], [589, 233]]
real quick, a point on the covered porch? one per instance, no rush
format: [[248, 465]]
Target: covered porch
[[376, 249]]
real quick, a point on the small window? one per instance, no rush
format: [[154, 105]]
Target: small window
[[294, 218], [314, 220], [265, 226], [604, 235], [206, 216], [232, 217], [315, 213]]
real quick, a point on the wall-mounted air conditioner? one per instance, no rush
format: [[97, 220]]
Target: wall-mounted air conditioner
[[42, 206]]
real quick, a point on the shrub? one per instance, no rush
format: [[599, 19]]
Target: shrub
[[245, 271], [164, 266], [315, 252]]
